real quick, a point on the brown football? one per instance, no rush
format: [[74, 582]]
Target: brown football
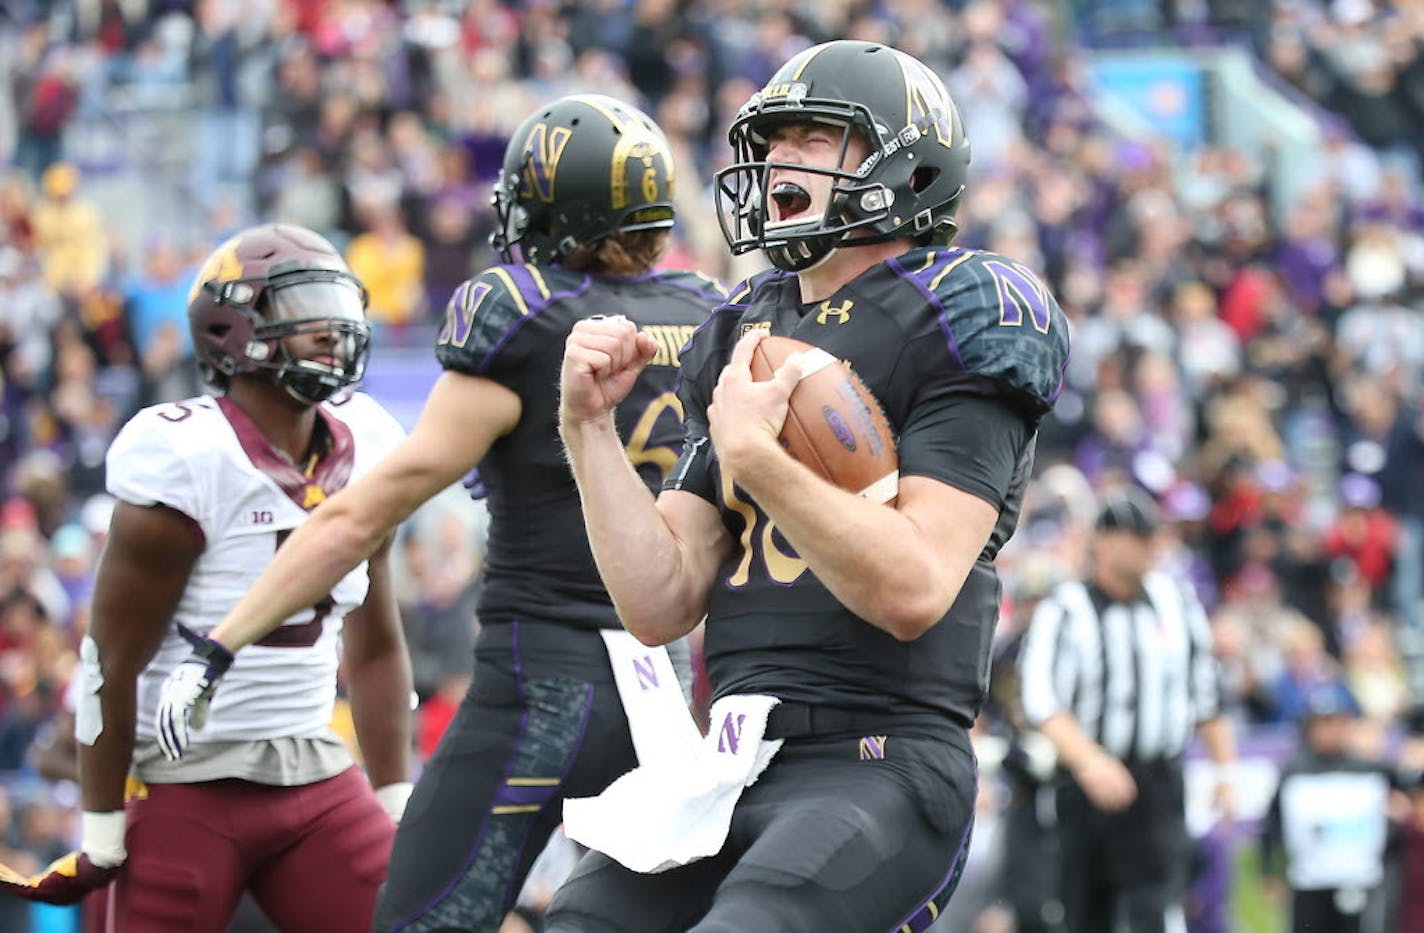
[[834, 425]]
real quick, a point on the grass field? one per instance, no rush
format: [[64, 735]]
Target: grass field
[[1253, 911]]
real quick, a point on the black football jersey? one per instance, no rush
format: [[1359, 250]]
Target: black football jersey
[[965, 351], [509, 324]]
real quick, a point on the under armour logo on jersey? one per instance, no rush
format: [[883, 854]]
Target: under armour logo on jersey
[[872, 748], [731, 736], [840, 312]]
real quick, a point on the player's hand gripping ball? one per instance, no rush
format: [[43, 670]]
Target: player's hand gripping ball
[[834, 424]]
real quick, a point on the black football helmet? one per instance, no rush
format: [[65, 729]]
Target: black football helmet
[[271, 282], [908, 186], [577, 170]]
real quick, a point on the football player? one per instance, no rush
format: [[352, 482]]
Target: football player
[[584, 199], [268, 798], [867, 626]]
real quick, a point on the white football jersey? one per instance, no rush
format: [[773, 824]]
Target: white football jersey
[[206, 459]]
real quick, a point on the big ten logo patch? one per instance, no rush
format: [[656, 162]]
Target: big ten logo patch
[[749, 326], [792, 92], [670, 338]]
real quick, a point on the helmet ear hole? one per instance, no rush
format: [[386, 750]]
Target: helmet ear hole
[[923, 177]]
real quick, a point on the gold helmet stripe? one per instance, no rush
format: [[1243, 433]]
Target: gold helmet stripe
[[805, 57]]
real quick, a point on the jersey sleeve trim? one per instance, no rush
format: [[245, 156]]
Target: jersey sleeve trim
[[513, 290], [538, 278], [741, 292], [714, 286], [942, 317]]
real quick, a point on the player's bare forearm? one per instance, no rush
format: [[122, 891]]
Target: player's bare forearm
[[1074, 746], [900, 568], [380, 690], [658, 580], [1220, 742], [104, 766], [378, 676], [461, 419], [138, 584], [123, 651], [326, 547]]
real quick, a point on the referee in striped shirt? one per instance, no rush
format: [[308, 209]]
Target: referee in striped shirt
[[1117, 673]]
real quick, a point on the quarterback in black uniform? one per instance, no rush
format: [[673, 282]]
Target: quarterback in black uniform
[[585, 194], [870, 624]]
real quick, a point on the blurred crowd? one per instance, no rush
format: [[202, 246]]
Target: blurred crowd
[[1258, 368]]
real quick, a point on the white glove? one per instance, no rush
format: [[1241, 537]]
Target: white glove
[[393, 797], [185, 695]]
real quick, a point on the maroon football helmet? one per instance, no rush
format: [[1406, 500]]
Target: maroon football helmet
[[271, 282]]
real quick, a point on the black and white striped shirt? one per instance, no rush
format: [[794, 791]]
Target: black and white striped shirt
[[1138, 677]]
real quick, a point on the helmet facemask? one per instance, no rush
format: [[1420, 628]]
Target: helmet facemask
[[877, 197], [511, 220], [297, 304]]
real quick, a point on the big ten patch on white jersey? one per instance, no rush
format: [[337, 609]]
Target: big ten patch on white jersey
[[204, 458]]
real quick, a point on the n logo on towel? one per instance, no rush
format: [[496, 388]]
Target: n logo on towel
[[647, 673], [731, 733]]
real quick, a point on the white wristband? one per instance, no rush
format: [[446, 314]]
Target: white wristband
[[393, 797], [104, 838]]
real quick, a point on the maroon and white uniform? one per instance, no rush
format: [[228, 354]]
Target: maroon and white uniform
[[267, 798], [206, 459]]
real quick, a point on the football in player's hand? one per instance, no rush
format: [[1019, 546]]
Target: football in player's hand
[[834, 425]]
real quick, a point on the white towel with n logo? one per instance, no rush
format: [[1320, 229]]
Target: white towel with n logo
[[674, 810], [658, 717]]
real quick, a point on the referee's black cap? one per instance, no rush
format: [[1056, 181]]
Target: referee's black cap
[[1128, 509]]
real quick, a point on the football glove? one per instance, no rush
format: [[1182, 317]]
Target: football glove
[[68, 879], [183, 700]]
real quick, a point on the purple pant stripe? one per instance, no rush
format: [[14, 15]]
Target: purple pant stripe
[[508, 768], [920, 919]]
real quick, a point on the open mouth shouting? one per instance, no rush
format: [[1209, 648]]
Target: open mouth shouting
[[793, 202]]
